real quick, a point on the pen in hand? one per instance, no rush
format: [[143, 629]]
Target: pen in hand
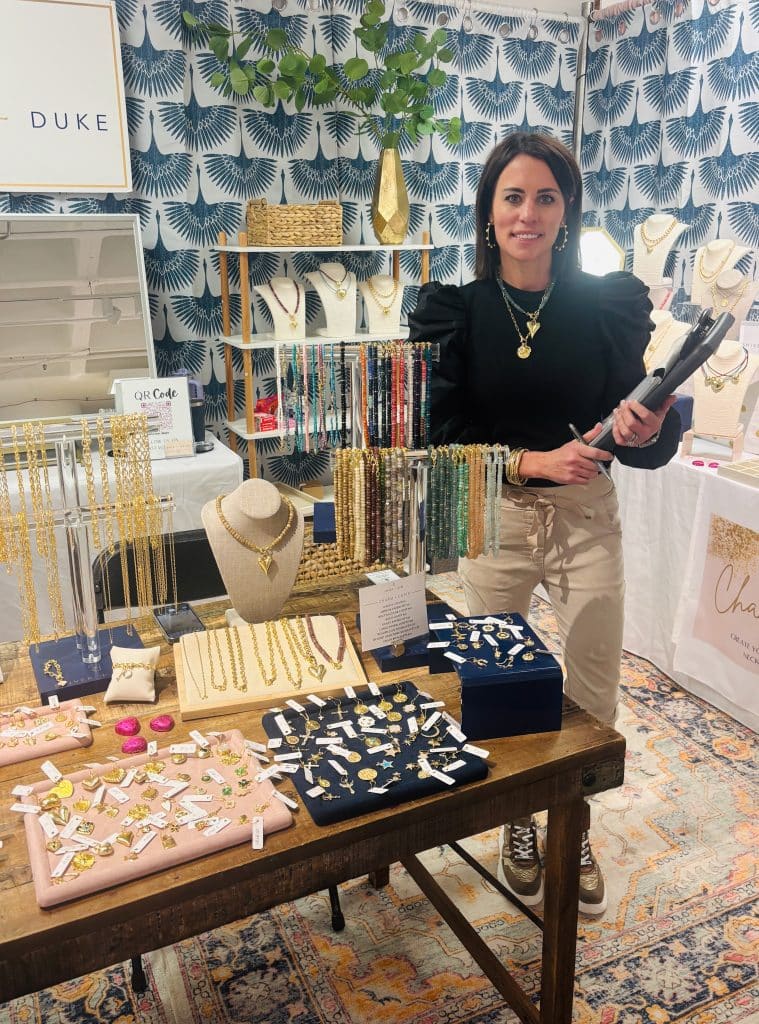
[[602, 467]]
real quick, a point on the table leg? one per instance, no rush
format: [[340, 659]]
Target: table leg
[[139, 980], [380, 878], [338, 920], [562, 883]]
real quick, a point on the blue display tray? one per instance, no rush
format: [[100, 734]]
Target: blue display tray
[[81, 678]]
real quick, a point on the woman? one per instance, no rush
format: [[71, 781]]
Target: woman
[[528, 348]]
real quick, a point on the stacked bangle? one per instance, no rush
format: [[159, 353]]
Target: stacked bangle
[[512, 467]]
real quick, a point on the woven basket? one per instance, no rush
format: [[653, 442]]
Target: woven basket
[[294, 224]]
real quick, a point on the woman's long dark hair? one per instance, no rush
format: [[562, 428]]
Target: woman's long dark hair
[[563, 167]]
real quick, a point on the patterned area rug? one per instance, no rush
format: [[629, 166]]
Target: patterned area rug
[[678, 942]]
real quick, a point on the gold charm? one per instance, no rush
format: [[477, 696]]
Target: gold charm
[[317, 671], [293, 321], [86, 828], [354, 757], [63, 788], [533, 326], [61, 815], [81, 806], [49, 801], [115, 775], [168, 841], [178, 758], [367, 774], [53, 845], [125, 838], [91, 784], [152, 768], [82, 861], [524, 351], [264, 563], [104, 850]]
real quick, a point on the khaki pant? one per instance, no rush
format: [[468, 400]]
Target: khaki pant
[[568, 538]]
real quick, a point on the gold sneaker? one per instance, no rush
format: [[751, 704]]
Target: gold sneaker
[[519, 866], [592, 888]]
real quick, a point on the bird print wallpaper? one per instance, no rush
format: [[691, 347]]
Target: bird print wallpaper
[[670, 123]]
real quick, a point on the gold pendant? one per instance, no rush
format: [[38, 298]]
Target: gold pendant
[[293, 321], [341, 293], [650, 249], [524, 351], [264, 563], [533, 326], [317, 671], [715, 383]]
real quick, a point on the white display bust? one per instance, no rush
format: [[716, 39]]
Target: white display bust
[[336, 288], [383, 298], [734, 293], [667, 333], [286, 301], [719, 389], [711, 260], [652, 241], [257, 568]]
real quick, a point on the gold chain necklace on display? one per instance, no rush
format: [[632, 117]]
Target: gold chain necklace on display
[[656, 343], [533, 318], [379, 297], [716, 381], [269, 678], [721, 296], [707, 276], [651, 243], [294, 678], [264, 551], [339, 287]]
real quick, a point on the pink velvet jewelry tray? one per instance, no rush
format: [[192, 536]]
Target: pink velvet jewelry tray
[[40, 732], [107, 812]]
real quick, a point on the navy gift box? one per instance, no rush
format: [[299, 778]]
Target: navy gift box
[[324, 522], [509, 687], [81, 679], [413, 653], [683, 406]]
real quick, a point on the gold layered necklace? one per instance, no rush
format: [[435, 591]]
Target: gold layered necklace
[[381, 299], [716, 381], [650, 242], [264, 551], [533, 318], [726, 299], [708, 276], [338, 286], [656, 342]]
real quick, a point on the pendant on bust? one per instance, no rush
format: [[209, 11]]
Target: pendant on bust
[[264, 564], [341, 292], [524, 351], [293, 321], [650, 249]]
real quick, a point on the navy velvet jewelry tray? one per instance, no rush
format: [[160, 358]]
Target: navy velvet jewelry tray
[[337, 802]]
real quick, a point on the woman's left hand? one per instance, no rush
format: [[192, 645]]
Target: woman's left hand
[[634, 424]]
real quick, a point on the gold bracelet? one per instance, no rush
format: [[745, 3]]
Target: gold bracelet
[[512, 467]]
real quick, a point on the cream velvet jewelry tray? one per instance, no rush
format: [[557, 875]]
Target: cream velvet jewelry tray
[[240, 668]]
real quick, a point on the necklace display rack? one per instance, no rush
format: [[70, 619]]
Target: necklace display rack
[[240, 668], [719, 400], [79, 663]]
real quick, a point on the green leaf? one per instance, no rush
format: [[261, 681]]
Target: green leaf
[[369, 20], [238, 80], [439, 37], [408, 63], [435, 77], [220, 48], [276, 39], [282, 89], [242, 48], [263, 94], [355, 69], [190, 19], [317, 64], [300, 99], [445, 55], [218, 78], [426, 128], [265, 66], [216, 29], [321, 86]]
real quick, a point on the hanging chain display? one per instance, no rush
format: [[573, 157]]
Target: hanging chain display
[[389, 393], [461, 505], [133, 517]]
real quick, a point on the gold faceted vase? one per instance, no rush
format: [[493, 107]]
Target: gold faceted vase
[[390, 209]]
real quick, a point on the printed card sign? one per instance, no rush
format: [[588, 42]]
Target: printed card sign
[[167, 399], [727, 616], [392, 612], [63, 125]]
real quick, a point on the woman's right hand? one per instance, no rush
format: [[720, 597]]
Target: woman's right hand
[[573, 463]]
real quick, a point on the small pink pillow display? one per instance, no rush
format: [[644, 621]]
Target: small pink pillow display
[[39, 732], [112, 823]]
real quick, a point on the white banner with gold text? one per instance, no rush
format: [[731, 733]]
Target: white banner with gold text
[[717, 629]]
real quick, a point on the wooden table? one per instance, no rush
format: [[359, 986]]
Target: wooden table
[[39, 948]]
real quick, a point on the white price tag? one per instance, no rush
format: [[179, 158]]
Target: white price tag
[[118, 795], [62, 865], [296, 755], [275, 742], [434, 717], [314, 791], [21, 790], [48, 825], [316, 700], [53, 701], [432, 704], [477, 751], [199, 738], [182, 748], [216, 776], [282, 725], [350, 692], [49, 769], [337, 766], [257, 833], [457, 734], [152, 747], [26, 808], [286, 800], [147, 838], [375, 690], [454, 657], [254, 745], [295, 705]]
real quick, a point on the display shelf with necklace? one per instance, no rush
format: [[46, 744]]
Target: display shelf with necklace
[[242, 428], [653, 240], [712, 260], [716, 379]]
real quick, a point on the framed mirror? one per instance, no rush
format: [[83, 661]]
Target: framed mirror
[[74, 313]]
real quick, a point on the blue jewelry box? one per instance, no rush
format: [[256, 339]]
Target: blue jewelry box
[[411, 653], [81, 679], [324, 522], [510, 684]]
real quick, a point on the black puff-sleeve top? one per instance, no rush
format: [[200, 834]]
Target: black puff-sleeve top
[[586, 356]]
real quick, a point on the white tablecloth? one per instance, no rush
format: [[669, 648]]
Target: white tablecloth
[[661, 511], [192, 481]]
